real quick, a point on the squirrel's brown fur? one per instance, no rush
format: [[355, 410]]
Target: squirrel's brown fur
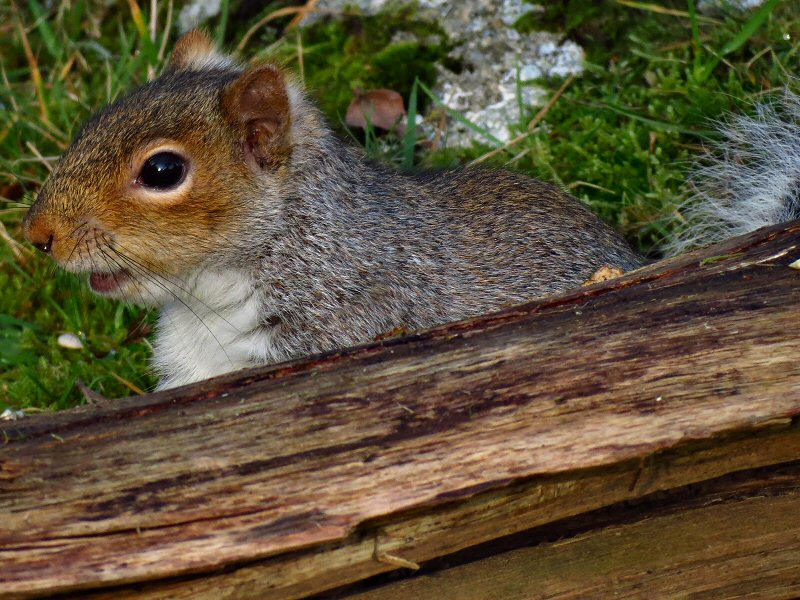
[[283, 241]]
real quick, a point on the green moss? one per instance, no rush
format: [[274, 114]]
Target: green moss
[[601, 27], [386, 50]]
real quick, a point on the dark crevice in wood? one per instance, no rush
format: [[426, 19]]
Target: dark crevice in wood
[[776, 480]]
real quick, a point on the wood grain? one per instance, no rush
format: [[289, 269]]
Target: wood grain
[[738, 537], [291, 480]]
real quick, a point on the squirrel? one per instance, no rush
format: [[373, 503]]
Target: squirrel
[[218, 193]]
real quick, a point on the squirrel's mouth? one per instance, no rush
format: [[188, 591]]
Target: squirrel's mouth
[[105, 283]]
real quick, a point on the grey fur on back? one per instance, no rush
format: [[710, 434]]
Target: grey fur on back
[[357, 249]]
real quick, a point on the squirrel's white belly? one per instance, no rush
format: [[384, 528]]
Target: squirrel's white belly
[[213, 330]]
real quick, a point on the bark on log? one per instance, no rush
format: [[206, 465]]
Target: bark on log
[[293, 480], [676, 547]]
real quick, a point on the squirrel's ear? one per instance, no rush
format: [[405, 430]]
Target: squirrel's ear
[[257, 104], [196, 51]]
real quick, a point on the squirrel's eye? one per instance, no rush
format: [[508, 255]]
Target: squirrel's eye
[[162, 171]]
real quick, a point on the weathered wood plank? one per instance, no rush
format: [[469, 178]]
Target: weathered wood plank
[[735, 538], [284, 476], [427, 534]]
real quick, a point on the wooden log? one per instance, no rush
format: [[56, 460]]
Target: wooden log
[[298, 479], [711, 540]]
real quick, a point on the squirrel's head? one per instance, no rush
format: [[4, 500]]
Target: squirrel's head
[[158, 183]]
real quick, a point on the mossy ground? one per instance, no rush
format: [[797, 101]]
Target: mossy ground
[[621, 138]]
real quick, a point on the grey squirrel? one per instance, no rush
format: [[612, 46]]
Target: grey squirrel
[[219, 194]]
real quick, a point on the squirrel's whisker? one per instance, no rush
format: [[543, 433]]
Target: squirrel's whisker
[[133, 278], [134, 269], [131, 260], [78, 243], [178, 282]]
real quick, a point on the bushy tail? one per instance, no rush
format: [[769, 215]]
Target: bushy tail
[[751, 179]]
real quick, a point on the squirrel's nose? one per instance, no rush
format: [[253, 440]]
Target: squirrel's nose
[[44, 246], [39, 234]]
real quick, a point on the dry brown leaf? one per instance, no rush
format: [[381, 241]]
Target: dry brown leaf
[[604, 273], [396, 332], [89, 394], [381, 108]]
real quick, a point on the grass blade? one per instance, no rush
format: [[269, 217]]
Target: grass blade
[[752, 25], [7, 321], [41, 23], [662, 10], [695, 34], [410, 137], [740, 39], [36, 74], [219, 35], [61, 403], [654, 123], [148, 45]]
